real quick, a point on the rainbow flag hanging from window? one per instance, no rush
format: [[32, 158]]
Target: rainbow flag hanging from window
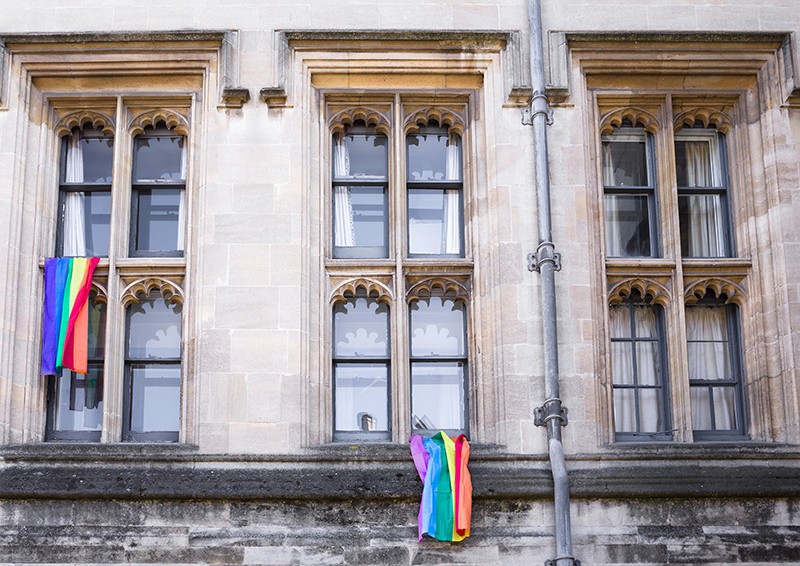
[[65, 325], [445, 511]]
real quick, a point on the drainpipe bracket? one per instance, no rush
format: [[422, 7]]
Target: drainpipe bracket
[[551, 409], [555, 562], [537, 258], [529, 113]]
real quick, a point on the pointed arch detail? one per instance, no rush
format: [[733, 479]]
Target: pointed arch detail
[[445, 117], [647, 288], [442, 286], [372, 288], [638, 117], [141, 288], [707, 117], [341, 120], [721, 287], [81, 118], [172, 118]]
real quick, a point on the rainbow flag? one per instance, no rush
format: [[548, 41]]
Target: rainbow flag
[[445, 511], [65, 325]]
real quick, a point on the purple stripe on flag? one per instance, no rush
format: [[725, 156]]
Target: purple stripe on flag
[[49, 326]]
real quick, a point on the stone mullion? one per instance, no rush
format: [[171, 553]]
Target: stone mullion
[[401, 368], [113, 367]]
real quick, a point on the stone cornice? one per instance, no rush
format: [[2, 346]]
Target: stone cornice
[[102, 472]]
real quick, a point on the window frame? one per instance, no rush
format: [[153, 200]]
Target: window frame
[[399, 276], [633, 300], [64, 188], [131, 363], [650, 190], [137, 186], [363, 436], [464, 360], [736, 362], [717, 141]]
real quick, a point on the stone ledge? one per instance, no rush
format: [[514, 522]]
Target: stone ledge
[[375, 473]]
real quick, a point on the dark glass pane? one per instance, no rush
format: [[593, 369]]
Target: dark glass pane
[[625, 163], [704, 229], [89, 159], [158, 158], [97, 329], [437, 395], [85, 223], [362, 397], [158, 221], [79, 400], [154, 329], [437, 328], [361, 329], [359, 219], [627, 226], [433, 157], [434, 221], [363, 157], [155, 397]]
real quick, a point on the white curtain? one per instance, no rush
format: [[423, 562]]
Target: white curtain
[[452, 224], [612, 211], [344, 231], [706, 237], [706, 334], [74, 214], [182, 199], [647, 366]]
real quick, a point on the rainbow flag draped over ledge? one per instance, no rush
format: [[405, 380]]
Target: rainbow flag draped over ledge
[[65, 325], [445, 511]]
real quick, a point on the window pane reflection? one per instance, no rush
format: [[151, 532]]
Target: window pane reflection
[[433, 156], [437, 393], [154, 330], [158, 221], [627, 225], [361, 328], [79, 400], [159, 158], [362, 397], [155, 398], [363, 157], [625, 162], [434, 221], [437, 328]]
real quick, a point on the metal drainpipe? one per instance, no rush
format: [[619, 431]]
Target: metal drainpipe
[[546, 261]]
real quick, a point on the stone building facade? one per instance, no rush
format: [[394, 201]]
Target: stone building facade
[[314, 222]]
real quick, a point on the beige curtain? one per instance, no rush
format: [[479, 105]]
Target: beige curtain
[[650, 419], [706, 236], [706, 335]]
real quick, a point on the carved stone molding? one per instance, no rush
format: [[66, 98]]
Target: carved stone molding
[[101, 294], [638, 117], [172, 118], [372, 118], [81, 118], [708, 117], [234, 97], [649, 289], [141, 288], [372, 288], [445, 287], [445, 117], [719, 286], [275, 97]]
